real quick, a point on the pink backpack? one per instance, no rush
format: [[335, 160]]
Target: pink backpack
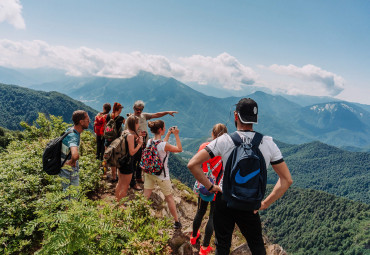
[[150, 161]]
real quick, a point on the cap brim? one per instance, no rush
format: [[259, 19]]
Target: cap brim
[[248, 119]]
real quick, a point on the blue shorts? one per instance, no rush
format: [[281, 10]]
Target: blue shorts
[[72, 177]]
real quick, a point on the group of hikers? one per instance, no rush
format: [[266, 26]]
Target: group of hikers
[[230, 170]]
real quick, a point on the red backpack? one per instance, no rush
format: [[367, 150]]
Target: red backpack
[[99, 124]]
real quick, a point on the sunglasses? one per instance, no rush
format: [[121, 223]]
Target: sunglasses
[[138, 109]]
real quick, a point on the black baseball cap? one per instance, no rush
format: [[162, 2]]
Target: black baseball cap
[[247, 110]]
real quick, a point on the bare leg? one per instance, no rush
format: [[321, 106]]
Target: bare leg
[[147, 193], [114, 172], [172, 206], [122, 186]]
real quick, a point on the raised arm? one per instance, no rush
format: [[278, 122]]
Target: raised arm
[[161, 114], [131, 144], [172, 148], [281, 186]]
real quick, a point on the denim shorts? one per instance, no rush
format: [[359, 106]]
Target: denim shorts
[[71, 177]]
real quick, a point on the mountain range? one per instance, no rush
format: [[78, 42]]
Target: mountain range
[[286, 118], [303, 221]]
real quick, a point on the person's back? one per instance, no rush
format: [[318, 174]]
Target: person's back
[[226, 217], [99, 125]]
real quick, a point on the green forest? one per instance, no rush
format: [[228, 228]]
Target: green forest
[[21, 104], [306, 221], [323, 167]]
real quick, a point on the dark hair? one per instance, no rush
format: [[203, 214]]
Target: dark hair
[[106, 108], [78, 115], [219, 129], [155, 125], [131, 122]]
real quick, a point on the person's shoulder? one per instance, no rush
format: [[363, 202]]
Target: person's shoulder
[[268, 139], [203, 145], [221, 141], [146, 115], [161, 145]]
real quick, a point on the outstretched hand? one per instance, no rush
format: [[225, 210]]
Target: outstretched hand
[[172, 113]]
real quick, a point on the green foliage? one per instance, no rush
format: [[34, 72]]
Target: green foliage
[[21, 104], [178, 168], [314, 222], [36, 217], [95, 227], [323, 167], [6, 136]]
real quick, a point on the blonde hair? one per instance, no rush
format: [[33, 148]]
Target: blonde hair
[[218, 130]]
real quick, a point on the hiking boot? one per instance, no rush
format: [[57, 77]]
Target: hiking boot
[[177, 225], [193, 240], [205, 250]]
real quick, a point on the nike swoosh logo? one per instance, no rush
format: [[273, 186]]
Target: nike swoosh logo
[[240, 179]]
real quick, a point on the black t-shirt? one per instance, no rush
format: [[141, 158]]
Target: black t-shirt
[[119, 121]]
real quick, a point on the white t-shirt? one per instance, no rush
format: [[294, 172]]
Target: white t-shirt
[[223, 146], [162, 154]]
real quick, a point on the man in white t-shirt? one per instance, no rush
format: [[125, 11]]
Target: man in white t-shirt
[[225, 217]]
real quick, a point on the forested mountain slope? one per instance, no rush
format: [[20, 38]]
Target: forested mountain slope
[[323, 167], [306, 221], [21, 104]]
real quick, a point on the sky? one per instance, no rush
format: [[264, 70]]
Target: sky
[[317, 47]]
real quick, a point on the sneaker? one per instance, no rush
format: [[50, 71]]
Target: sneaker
[[177, 225], [193, 240], [205, 250]]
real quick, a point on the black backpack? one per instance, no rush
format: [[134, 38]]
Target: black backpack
[[51, 158], [245, 177]]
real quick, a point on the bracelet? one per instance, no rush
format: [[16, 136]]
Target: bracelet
[[211, 187]]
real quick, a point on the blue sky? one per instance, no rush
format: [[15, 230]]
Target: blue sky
[[296, 47]]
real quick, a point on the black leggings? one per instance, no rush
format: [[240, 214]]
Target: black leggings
[[137, 169], [100, 147], [202, 209]]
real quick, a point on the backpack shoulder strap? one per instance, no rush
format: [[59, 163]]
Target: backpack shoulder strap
[[257, 139], [237, 140], [64, 136]]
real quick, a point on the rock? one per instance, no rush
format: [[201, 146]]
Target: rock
[[185, 249], [275, 249], [241, 250], [180, 243]]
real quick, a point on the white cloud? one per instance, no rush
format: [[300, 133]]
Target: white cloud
[[11, 12], [311, 80], [223, 71]]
